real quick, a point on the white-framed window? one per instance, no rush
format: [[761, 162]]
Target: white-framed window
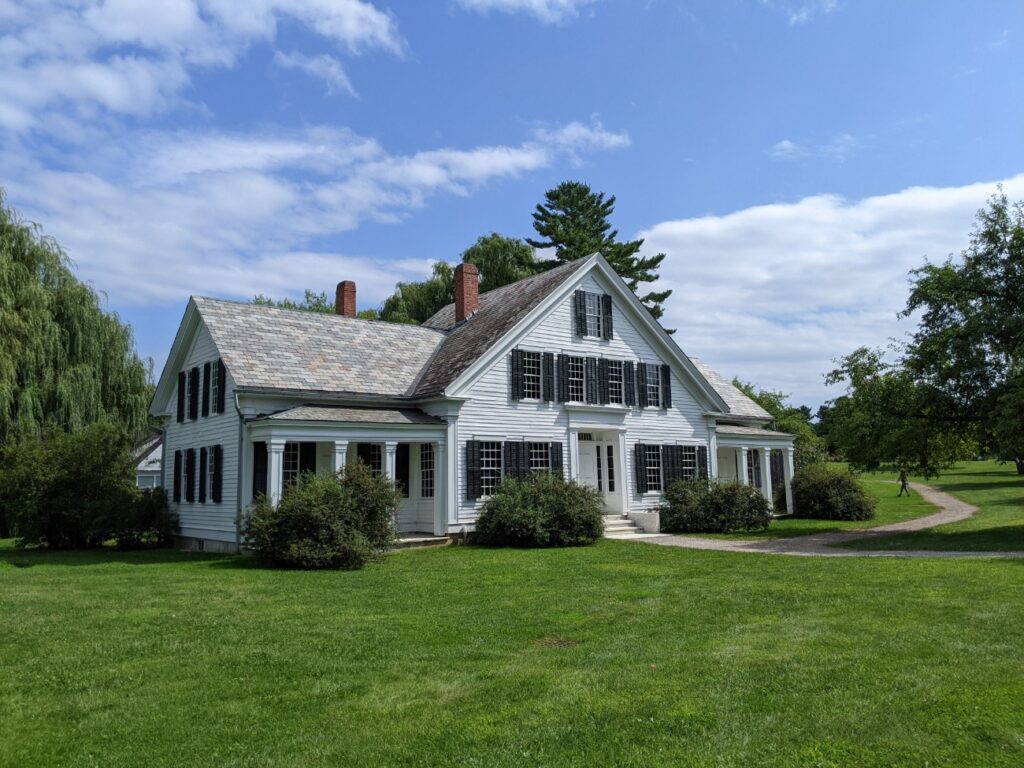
[[754, 469], [576, 381], [616, 392], [145, 481], [188, 395], [653, 385], [209, 474], [290, 470], [531, 375], [652, 454], [490, 466], [689, 458], [592, 304], [427, 470], [214, 386], [540, 456], [611, 469]]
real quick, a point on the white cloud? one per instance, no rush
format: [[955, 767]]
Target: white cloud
[[798, 13], [157, 216], [839, 148], [547, 11], [134, 56], [324, 67], [773, 293]]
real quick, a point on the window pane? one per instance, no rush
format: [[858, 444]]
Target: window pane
[[531, 375], [576, 379], [689, 461], [653, 467], [615, 394], [540, 457], [611, 470], [490, 467], [593, 307], [653, 386], [427, 470], [291, 462]]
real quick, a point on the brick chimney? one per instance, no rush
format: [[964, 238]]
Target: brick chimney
[[345, 299], [467, 291]]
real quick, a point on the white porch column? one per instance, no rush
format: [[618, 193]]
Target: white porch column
[[390, 450], [766, 474], [574, 454], [743, 466], [622, 479], [275, 466], [452, 491], [340, 455], [787, 478], [440, 488]]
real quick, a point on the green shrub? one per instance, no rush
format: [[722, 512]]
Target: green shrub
[[145, 522], [325, 521], [823, 493], [698, 506], [542, 510]]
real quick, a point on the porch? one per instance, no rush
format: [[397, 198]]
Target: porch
[[757, 457], [405, 445]]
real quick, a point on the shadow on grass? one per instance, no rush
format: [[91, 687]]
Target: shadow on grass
[[1005, 538], [28, 558]]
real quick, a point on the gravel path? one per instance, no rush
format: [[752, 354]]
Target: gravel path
[[823, 544]]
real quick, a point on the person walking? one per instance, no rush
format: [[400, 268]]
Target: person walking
[[903, 483]]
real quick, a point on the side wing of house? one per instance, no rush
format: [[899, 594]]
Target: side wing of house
[[201, 436], [612, 408]]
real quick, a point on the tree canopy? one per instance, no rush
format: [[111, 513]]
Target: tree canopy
[[311, 302], [808, 447], [574, 221], [65, 363], [501, 260]]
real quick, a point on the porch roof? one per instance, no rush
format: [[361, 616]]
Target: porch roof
[[732, 429], [355, 414]]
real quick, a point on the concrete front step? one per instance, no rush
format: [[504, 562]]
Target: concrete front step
[[621, 527]]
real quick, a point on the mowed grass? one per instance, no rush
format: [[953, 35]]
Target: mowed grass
[[998, 492], [620, 654], [890, 509]]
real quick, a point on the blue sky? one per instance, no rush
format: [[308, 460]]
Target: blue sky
[[794, 158]]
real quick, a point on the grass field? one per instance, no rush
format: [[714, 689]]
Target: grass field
[[620, 654], [998, 492], [890, 509]]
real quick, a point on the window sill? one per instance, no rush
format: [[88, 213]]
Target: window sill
[[610, 408]]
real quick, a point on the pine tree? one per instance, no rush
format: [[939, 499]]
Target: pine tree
[[575, 222]]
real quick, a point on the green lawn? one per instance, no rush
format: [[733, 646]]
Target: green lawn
[[890, 510], [998, 492], [622, 654]]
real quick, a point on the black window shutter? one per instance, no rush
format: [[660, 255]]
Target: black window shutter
[[524, 459], [307, 457], [666, 386], [602, 381], [606, 315], [640, 467], [193, 393], [556, 458], [190, 475], [671, 463], [547, 377], [472, 469], [510, 458], [702, 462], [629, 383], [222, 385], [259, 469], [641, 385], [402, 468], [176, 484], [203, 458], [563, 378], [181, 395], [516, 366], [591, 380], [218, 474], [206, 389], [580, 305]]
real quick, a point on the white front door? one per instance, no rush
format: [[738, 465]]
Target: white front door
[[599, 468], [587, 474]]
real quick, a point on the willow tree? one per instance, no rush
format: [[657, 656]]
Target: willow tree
[[65, 363]]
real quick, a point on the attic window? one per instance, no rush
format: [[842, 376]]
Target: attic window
[[594, 316]]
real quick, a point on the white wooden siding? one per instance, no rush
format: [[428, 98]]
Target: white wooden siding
[[490, 412], [209, 520]]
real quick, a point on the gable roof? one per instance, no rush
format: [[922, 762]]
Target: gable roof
[[500, 310], [271, 348], [739, 404]]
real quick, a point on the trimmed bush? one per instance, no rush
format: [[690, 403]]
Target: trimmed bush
[[325, 521], [146, 522], [697, 506], [542, 510], [823, 493]]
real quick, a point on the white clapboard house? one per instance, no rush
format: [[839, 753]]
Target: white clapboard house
[[564, 371]]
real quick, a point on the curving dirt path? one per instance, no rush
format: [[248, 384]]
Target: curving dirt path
[[951, 510]]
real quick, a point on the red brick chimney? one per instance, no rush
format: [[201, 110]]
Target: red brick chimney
[[345, 299], [467, 291]]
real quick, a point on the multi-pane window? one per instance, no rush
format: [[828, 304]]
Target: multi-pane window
[[531, 375], [754, 468], [291, 462], [652, 383], [214, 385], [576, 383], [540, 456], [210, 468], [592, 304], [427, 470], [652, 454], [490, 467], [689, 460], [372, 456], [611, 469], [599, 460], [615, 389]]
